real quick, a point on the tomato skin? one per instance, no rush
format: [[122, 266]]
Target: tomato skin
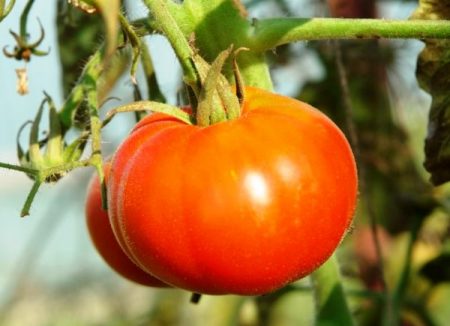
[[243, 207], [101, 234]]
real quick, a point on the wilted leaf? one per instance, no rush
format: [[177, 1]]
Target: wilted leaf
[[433, 74]]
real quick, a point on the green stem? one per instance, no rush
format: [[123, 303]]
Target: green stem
[[332, 307], [26, 207], [18, 168], [169, 26], [270, 33], [91, 73], [24, 19], [96, 129], [40, 177]]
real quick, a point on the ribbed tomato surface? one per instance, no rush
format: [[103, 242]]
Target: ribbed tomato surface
[[244, 206]]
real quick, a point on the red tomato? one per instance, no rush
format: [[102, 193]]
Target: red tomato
[[244, 207], [104, 241]]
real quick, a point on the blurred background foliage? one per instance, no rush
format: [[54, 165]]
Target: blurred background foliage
[[397, 255]]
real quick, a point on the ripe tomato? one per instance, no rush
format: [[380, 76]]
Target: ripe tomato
[[104, 240], [245, 206]]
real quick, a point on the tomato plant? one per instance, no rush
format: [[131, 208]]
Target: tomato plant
[[244, 206], [102, 236], [246, 194]]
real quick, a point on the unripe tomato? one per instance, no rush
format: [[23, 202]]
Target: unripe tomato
[[104, 240], [245, 206]]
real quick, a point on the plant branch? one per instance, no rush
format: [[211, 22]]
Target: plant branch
[[18, 168], [24, 19], [169, 26], [91, 73], [270, 33]]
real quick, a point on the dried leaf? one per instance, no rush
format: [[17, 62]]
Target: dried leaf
[[433, 74]]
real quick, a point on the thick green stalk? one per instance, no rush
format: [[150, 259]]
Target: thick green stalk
[[270, 33], [332, 307], [24, 19], [170, 28], [214, 25]]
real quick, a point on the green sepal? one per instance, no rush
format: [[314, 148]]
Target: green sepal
[[54, 144], [21, 154], [210, 110]]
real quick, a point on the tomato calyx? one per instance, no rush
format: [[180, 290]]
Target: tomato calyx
[[49, 159], [216, 101], [213, 101]]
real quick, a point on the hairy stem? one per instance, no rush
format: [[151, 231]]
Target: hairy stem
[[18, 168], [270, 33], [169, 26], [91, 73]]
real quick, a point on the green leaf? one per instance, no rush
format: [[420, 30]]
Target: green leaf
[[433, 74]]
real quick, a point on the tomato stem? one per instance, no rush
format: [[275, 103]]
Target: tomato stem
[[18, 168], [270, 33], [162, 13], [26, 207], [90, 74]]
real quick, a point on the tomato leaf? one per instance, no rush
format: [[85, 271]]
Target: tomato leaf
[[433, 71]]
